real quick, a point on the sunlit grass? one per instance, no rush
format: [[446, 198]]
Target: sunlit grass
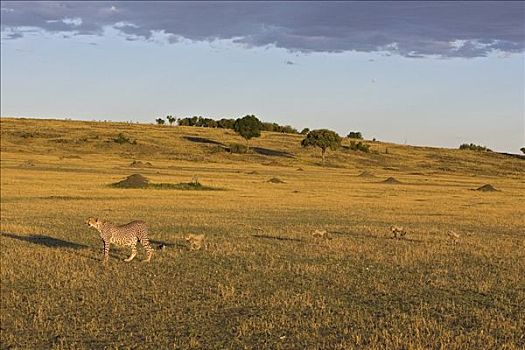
[[264, 281]]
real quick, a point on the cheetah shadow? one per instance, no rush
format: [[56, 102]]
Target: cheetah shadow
[[279, 238], [51, 242], [46, 241], [159, 244], [377, 237]]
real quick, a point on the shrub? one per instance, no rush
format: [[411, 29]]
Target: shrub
[[355, 135], [359, 146], [121, 139], [473, 147], [226, 123], [238, 148]]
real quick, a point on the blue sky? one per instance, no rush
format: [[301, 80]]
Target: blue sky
[[423, 73]]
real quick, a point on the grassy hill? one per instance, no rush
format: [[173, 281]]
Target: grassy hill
[[164, 143], [264, 282]]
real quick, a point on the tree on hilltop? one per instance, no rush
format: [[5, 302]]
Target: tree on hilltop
[[355, 135], [474, 147], [171, 119], [323, 139], [248, 127], [160, 121]]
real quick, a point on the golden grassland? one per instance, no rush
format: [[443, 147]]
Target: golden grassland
[[264, 282]]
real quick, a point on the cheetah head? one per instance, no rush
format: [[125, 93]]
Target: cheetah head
[[93, 222]]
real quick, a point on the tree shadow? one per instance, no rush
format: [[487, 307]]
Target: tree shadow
[[45, 241], [259, 150], [202, 140], [278, 238], [271, 152]]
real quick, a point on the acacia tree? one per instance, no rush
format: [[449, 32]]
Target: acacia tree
[[248, 127], [160, 121], [323, 139], [522, 149], [171, 119]]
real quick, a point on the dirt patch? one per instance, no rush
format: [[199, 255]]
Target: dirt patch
[[276, 180], [300, 169], [139, 164], [391, 180], [253, 172], [133, 181], [366, 174], [487, 188]]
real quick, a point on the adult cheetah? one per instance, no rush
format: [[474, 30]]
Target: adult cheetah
[[123, 235]]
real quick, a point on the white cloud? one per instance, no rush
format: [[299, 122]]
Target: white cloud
[[75, 22], [446, 29], [120, 25]]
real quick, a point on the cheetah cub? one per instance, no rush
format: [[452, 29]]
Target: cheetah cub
[[196, 241], [397, 231], [321, 234], [453, 236], [123, 235]]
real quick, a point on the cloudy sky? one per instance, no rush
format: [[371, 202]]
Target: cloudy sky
[[424, 73]]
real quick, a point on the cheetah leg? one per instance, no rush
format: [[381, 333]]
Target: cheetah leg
[[106, 253], [148, 248], [133, 253]]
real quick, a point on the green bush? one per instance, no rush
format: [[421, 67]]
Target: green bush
[[196, 186], [238, 148], [121, 139], [359, 146], [355, 135], [473, 147]]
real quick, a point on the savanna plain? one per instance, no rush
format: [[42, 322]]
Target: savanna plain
[[263, 282]]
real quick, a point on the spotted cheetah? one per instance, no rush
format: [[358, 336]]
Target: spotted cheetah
[[123, 235]]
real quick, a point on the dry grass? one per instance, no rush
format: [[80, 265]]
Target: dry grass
[[264, 281]]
